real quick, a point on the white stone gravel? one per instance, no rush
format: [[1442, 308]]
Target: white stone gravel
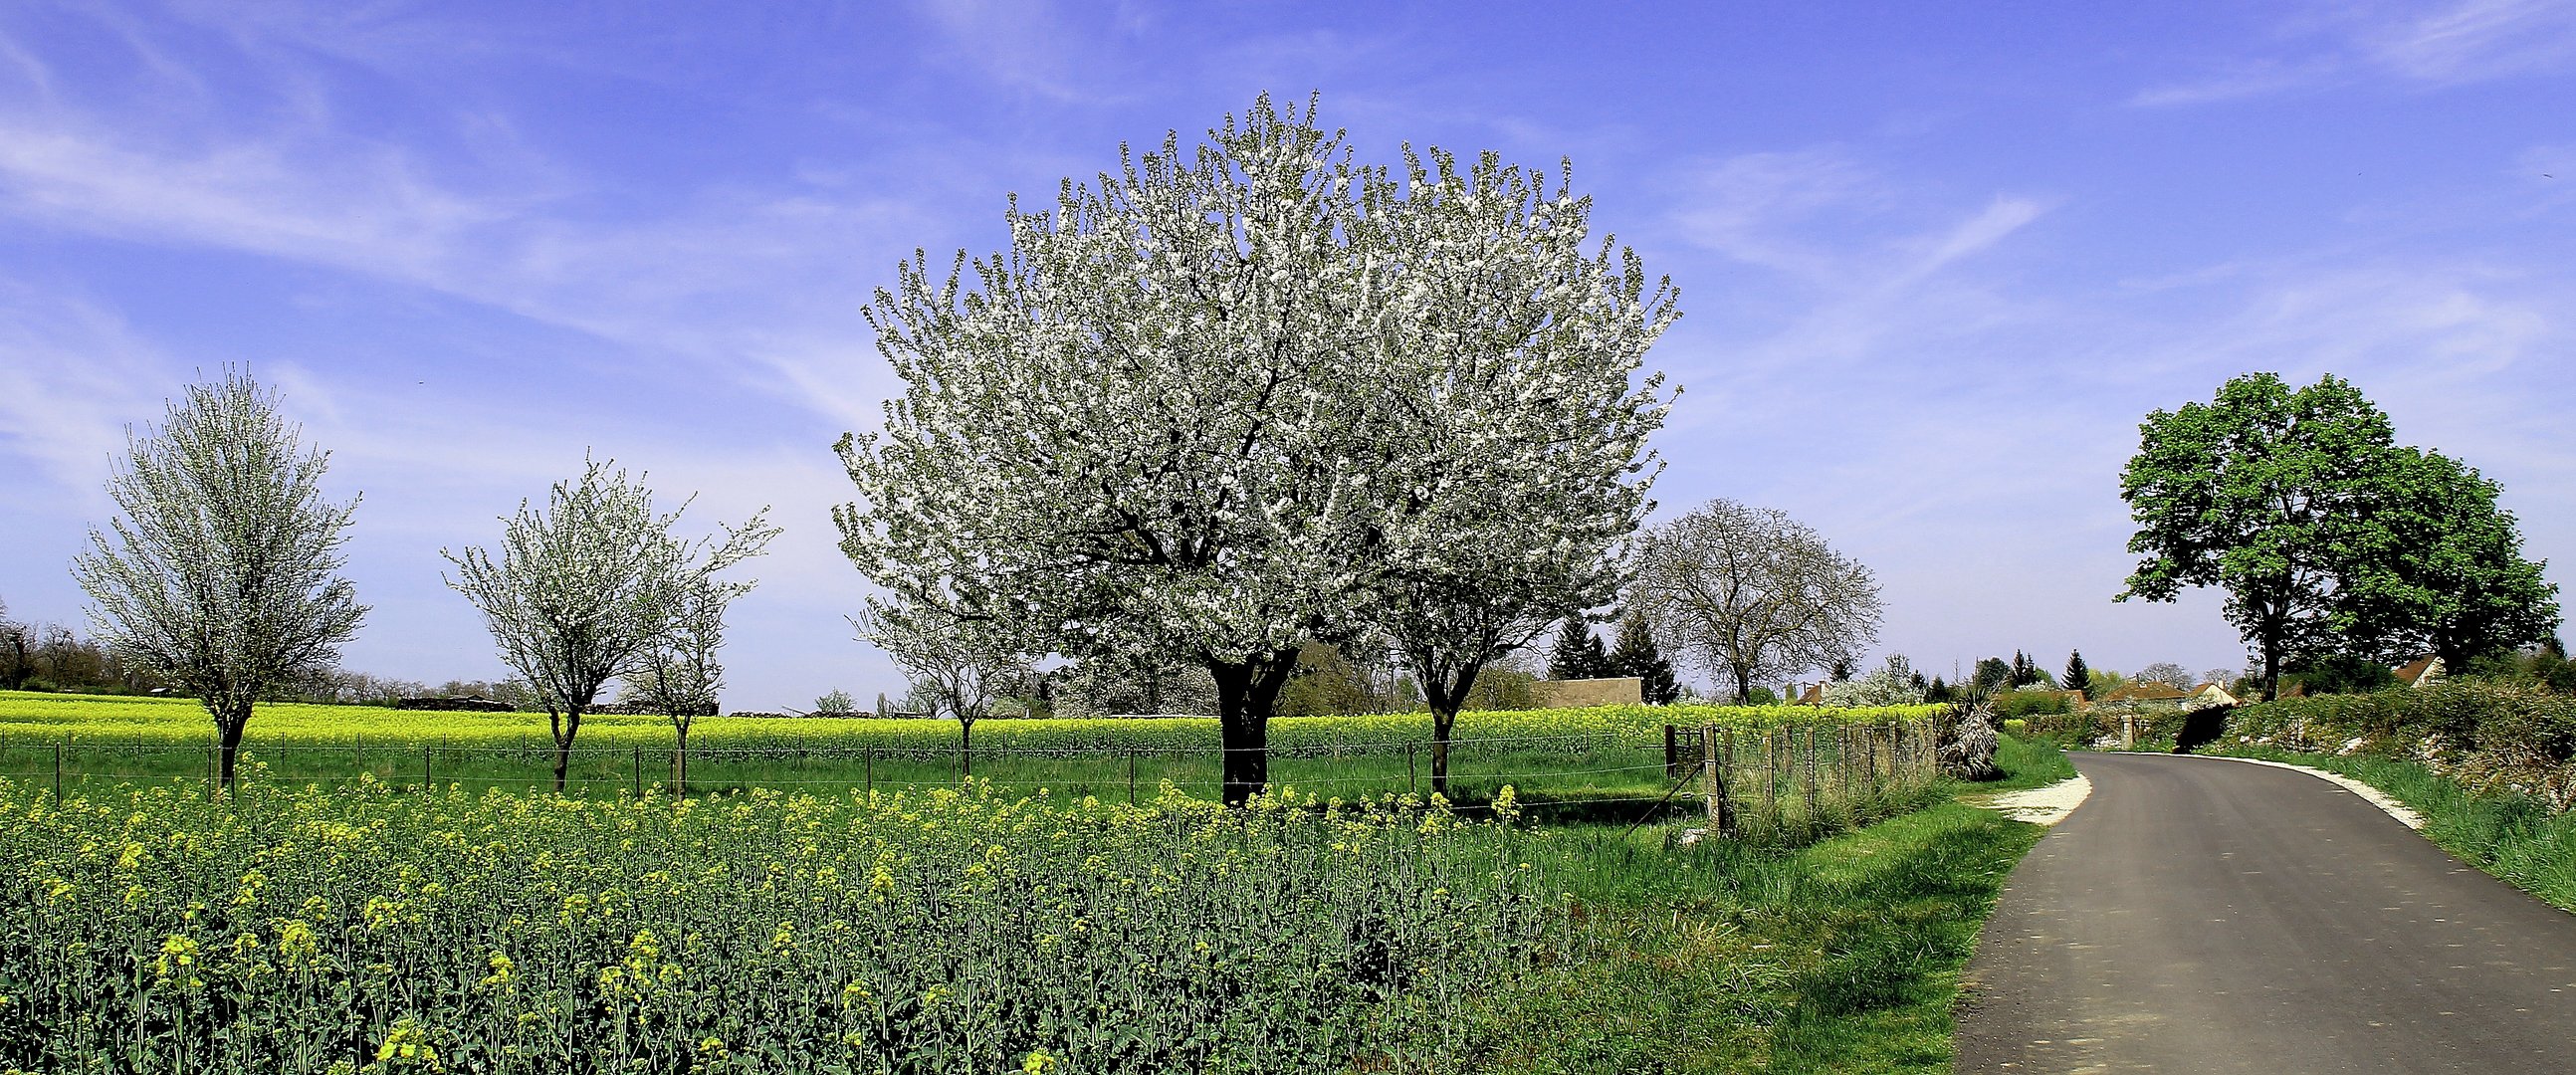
[[2044, 806]]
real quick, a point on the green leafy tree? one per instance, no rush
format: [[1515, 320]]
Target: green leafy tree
[[1992, 675], [2077, 676], [2271, 494], [2025, 672], [2460, 586]]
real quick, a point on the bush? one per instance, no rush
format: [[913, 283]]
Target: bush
[[2502, 734], [2011, 704]]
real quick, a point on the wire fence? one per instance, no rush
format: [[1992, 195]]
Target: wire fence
[[1754, 784]]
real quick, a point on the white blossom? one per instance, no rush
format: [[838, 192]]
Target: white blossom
[[1227, 402], [584, 590], [222, 576]]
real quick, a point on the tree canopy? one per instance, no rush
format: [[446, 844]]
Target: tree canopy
[[1230, 401], [2328, 537], [222, 575]]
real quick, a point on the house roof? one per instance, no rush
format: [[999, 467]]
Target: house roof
[[2144, 692], [2420, 671]]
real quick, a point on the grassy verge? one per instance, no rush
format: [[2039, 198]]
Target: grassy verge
[[2513, 836], [1840, 957]]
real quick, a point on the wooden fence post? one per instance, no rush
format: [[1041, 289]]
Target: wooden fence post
[[1131, 778], [1810, 760], [1769, 770], [1409, 780], [425, 779], [639, 772], [58, 774]]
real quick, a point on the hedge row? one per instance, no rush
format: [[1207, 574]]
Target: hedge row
[[2488, 734]]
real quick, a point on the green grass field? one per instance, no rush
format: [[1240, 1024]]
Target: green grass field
[[1595, 762]]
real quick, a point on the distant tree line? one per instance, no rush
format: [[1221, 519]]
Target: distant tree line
[[52, 657]]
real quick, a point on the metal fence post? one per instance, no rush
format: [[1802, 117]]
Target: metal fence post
[[1711, 785], [639, 772], [1131, 778], [58, 774], [426, 779]]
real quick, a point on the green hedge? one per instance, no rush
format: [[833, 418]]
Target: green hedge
[[2514, 736]]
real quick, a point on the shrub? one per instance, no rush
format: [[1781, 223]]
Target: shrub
[[2488, 733], [2033, 703]]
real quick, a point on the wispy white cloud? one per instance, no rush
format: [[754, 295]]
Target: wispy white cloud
[[1032, 45], [2465, 41], [73, 375]]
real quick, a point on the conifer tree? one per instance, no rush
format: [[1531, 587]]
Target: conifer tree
[[1578, 653], [1635, 655], [2077, 675]]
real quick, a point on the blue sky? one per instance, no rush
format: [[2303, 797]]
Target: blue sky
[[1936, 260]]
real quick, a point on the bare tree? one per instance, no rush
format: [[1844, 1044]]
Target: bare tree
[[957, 663], [679, 676], [15, 661], [2167, 673], [1751, 595], [222, 576], [584, 589]]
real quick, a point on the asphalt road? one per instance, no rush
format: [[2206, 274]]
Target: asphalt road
[[2199, 915]]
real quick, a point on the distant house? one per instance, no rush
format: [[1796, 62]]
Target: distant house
[[1815, 695], [1577, 693], [2214, 694], [2421, 672]]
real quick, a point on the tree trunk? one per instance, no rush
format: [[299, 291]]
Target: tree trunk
[[680, 778], [228, 732], [1445, 696], [564, 727], [1744, 685], [1246, 695], [966, 745], [1441, 724], [2271, 666]]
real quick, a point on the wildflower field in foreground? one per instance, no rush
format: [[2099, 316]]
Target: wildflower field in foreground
[[305, 930]]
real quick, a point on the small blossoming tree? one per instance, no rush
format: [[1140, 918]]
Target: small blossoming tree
[[1515, 431], [585, 589], [222, 574]]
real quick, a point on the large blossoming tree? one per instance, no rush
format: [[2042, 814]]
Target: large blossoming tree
[[1230, 402]]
